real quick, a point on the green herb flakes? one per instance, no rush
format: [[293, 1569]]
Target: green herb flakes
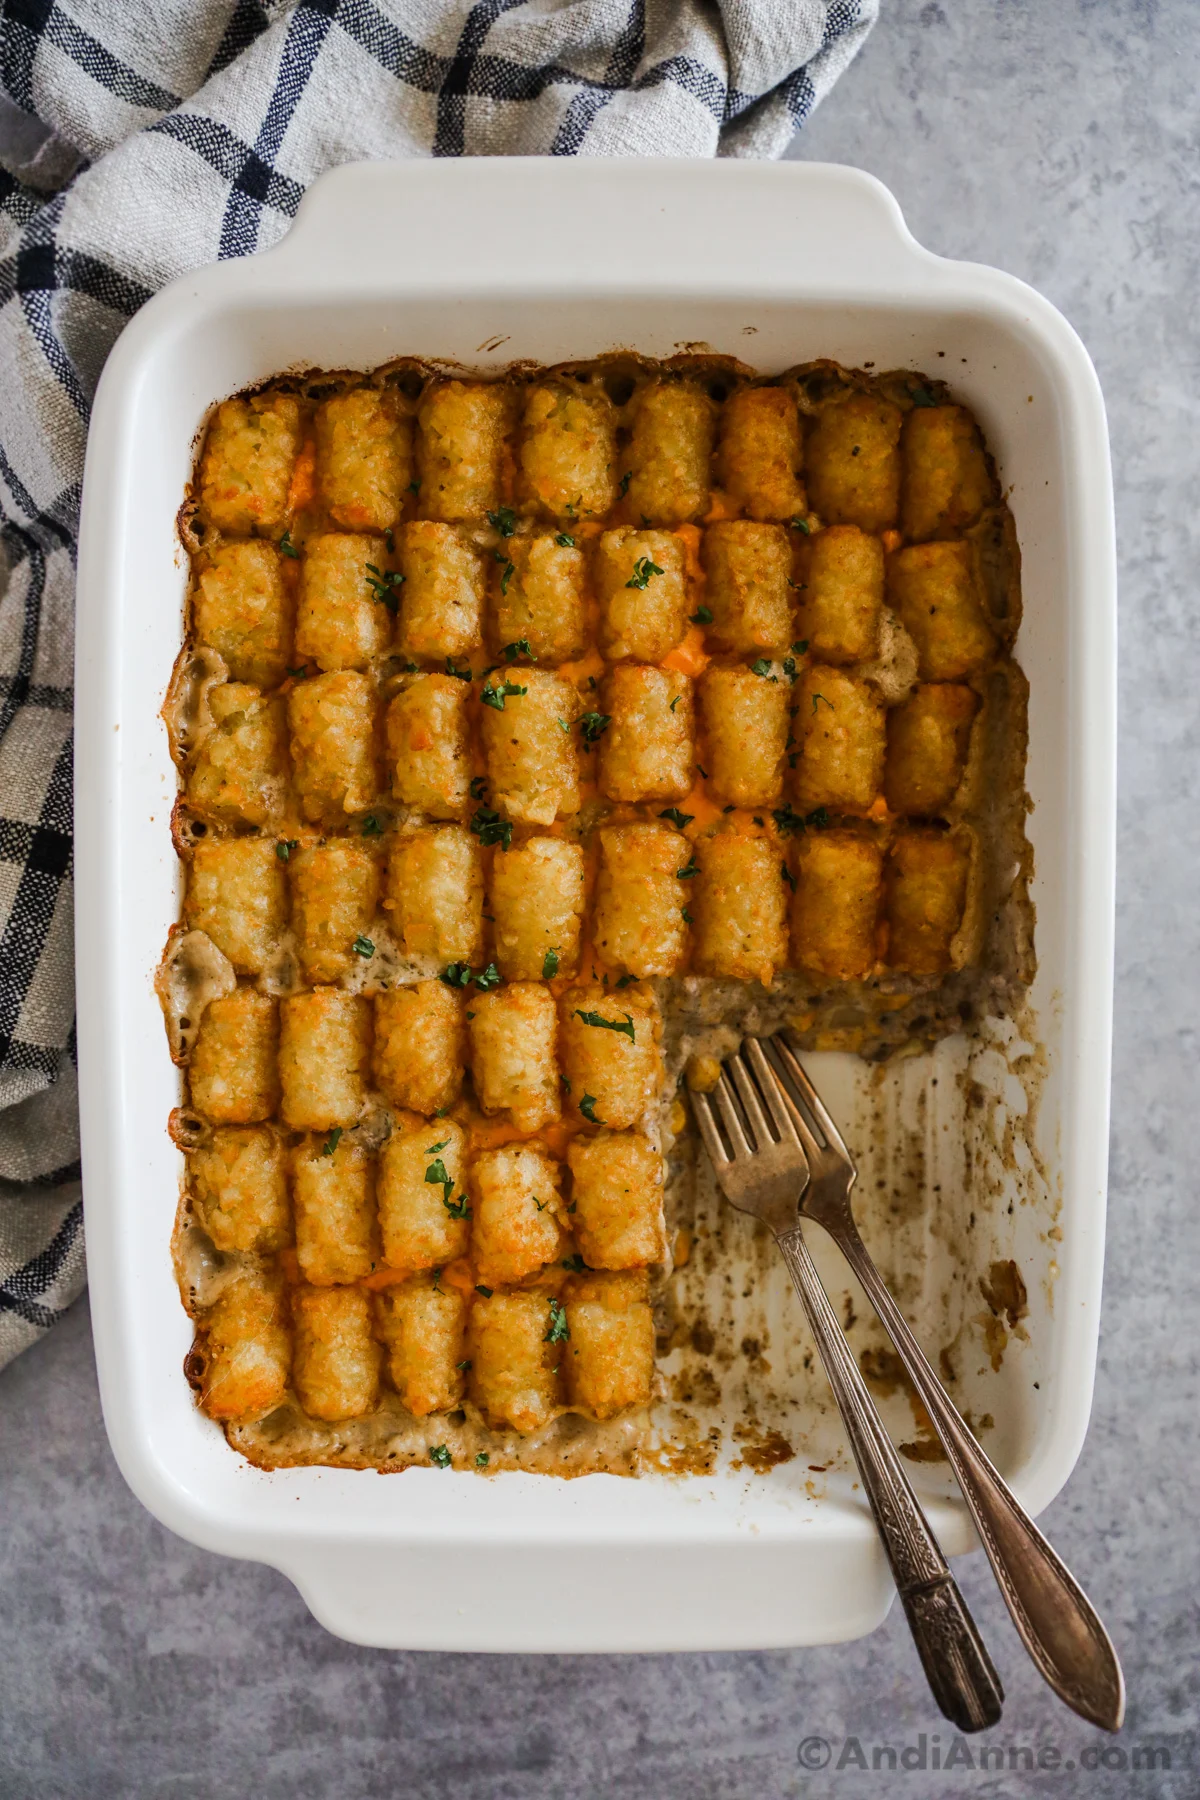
[[643, 569], [503, 520], [332, 1141], [439, 1456], [550, 965], [624, 1026], [559, 1330], [490, 828], [285, 846], [701, 616], [363, 946]]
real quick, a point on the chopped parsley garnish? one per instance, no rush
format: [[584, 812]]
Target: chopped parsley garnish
[[439, 1456], [690, 868], [593, 725], [464, 1365], [496, 696], [587, 1107], [763, 667], [363, 946], [789, 667], [414, 487], [625, 1026], [390, 539], [788, 822], [623, 484], [478, 787], [802, 525], [385, 584], [673, 813], [828, 703], [371, 826], [437, 1276], [490, 828], [286, 545], [482, 1459], [675, 702], [434, 1148], [540, 1204], [299, 673], [285, 846], [489, 978], [703, 772], [565, 541], [800, 646], [436, 1173], [788, 876], [458, 1209], [456, 974], [332, 1141], [921, 396], [559, 1330], [575, 1263], [460, 674], [550, 965], [504, 520], [701, 616], [507, 569], [625, 981], [563, 726], [643, 569], [520, 648], [485, 1291], [687, 917]]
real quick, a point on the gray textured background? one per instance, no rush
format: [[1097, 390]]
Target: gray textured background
[[1058, 141]]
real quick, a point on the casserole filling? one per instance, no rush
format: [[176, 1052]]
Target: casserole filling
[[537, 737]]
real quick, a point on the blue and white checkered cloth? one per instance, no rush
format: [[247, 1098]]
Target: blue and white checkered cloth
[[148, 137]]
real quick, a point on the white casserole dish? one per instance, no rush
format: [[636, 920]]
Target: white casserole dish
[[485, 262]]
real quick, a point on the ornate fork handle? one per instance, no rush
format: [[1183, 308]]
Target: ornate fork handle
[[958, 1667], [1057, 1622]]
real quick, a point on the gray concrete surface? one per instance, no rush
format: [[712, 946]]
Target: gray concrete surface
[[1060, 142]]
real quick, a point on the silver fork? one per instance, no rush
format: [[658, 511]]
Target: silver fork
[[763, 1172], [1057, 1623]]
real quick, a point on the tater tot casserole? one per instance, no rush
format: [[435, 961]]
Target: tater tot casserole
[[537, 736]]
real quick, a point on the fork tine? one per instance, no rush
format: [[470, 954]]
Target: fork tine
[[730, 1117], [814, 1151], [702, 1110], [751, 1102], [810, 1096], [767, 1083]]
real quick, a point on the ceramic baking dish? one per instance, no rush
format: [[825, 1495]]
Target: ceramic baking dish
[[484, 262]]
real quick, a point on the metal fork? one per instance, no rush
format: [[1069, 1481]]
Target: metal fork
[[1057, 1623], [763, 1172]]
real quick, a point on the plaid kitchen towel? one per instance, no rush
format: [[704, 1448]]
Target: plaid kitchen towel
[[148, 137]]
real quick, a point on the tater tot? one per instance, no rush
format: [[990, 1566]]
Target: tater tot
[[639, 579], [519, 1224], [537, 898], [423, 1328], [233, 1075], [839, 726], [740, 908], [761, 457], [333, 1202], [538, 598], [841, 594], [746, 718], [612, 1076], [516, 1375], [749, 569], [239, 1190], [853, 462], [336, 1360], [646, 752], [364, 457], [609, 1361], [324, 1051], [926, 890], [237, 894], [332, 724], [670, 453], [435, 893], [335, 893], [420, 1046], [514, 1035], [246, 1346], [835, 908], [935, 590], [638, 925], [441, 602], [617, 1192], [246, 468], [341, 622], [532, 761], [946, 482], [423, 1210], [568, 451], [927, 742], [428, 745], [462, 426], [240, 772], [243, 609]]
